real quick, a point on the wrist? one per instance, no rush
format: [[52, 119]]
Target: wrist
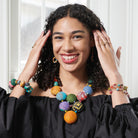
[[24, 77], [115, 79]]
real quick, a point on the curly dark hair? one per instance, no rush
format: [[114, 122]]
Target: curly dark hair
[[47, 70]]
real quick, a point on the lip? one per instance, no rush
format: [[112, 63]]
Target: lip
[[69, 61], [68, 54]]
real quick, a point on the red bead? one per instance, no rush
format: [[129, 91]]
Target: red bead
[[81, 96], [112, 87]]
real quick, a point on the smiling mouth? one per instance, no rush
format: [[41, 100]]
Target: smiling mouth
[[69, 59]]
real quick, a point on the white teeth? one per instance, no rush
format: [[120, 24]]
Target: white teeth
[[69, 57]]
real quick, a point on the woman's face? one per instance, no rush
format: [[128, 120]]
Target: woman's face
[[71, 44]]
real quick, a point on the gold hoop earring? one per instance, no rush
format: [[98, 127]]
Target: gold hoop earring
[[54, 60]]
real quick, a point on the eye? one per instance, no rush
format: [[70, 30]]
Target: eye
[[77, 37], [57, 37]]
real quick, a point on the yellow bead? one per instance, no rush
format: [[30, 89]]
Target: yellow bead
[[70, 117], [55, 90], [22, 83]]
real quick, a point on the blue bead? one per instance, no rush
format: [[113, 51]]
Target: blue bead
[[55, 83], [18, 82], [88, 90], [117, 89], [61, 96]]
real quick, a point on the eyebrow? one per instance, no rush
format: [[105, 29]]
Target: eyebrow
[[73, 32]]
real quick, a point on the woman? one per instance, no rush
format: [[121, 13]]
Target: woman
[[73, 54]]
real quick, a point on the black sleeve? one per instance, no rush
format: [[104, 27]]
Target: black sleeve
[[7, 110], [118, 122]]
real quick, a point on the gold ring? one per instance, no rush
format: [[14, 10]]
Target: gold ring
[[106, 43]]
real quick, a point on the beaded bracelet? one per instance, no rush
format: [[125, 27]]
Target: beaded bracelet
[[118, 87], [24, 85]]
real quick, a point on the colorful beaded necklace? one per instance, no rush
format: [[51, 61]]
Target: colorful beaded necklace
[[71, 104]]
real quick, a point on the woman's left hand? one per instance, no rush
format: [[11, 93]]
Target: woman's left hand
[[107, 57]]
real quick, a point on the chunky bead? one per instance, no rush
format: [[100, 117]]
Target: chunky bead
[[70, 117], [77, 106], [61, 96], [55, 90], [55, 83], [29, 90], [11, 86], [18, 82], [22, 83], [81, 96], [64, 106], [71, 98], [27, 87], [13, 82], [88, 90]]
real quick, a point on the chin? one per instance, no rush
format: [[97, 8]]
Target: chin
[[71, 68]]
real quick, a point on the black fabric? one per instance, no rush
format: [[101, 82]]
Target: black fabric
[[39, 117]]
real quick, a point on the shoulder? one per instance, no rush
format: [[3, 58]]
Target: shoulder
[[106, 92]]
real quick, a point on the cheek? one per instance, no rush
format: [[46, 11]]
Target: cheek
[[56, 47]]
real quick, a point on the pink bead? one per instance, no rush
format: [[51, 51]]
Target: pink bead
[[10, 84], [81, 96]]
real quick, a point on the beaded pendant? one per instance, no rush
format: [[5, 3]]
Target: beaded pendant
[[71, 104]]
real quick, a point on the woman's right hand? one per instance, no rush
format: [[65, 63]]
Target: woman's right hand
[[32, 62]]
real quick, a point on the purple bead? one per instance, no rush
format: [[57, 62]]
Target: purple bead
[[64, 106]]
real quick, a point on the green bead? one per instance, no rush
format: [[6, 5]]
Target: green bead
[[71, 98], [55, 83], [90, 82], [13, 82]]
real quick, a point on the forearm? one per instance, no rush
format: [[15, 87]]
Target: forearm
[[118, 97], [18, 90]]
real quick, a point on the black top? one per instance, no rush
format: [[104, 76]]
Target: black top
[[40, 117]]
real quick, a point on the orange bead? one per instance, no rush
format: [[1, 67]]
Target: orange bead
[[70, 117], [22, 83], [55, 90]]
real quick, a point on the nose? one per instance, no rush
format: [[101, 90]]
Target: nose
[[68, 45]]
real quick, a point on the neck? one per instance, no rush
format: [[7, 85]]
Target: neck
[[73, 82]]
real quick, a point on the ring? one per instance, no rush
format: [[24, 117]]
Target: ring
[[106, 43]]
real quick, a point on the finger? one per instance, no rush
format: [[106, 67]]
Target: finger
[[103, 46], [107, 37], [96, 39], [105, 41], [118, 52], [44, 39]]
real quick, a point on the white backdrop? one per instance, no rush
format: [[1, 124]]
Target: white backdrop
[[120, 20]]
